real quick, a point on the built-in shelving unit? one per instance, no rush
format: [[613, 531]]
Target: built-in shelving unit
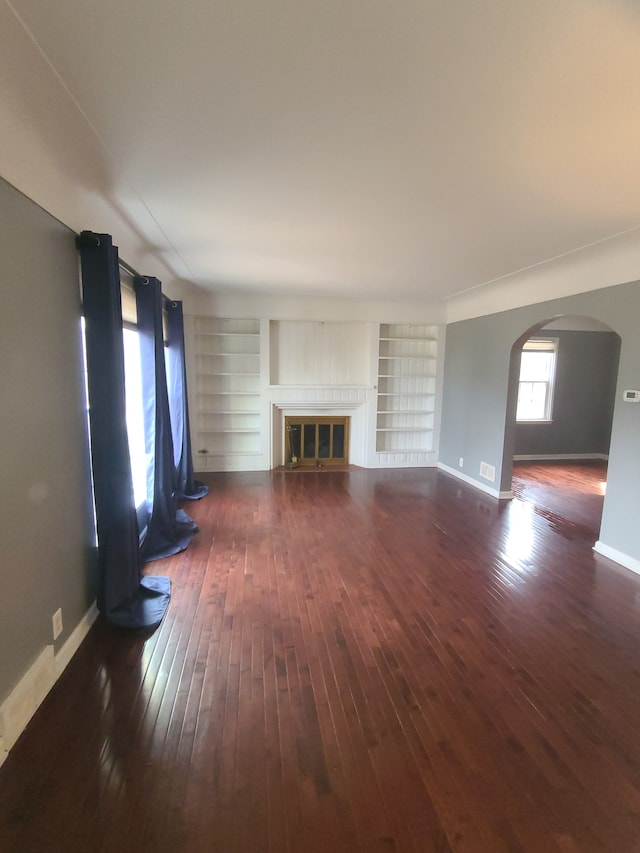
[[407, 361], [227, 353]]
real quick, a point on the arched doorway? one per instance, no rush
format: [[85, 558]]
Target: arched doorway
[[560, 446]]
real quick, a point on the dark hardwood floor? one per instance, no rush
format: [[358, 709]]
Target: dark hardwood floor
[[358, 661], [568, 494]]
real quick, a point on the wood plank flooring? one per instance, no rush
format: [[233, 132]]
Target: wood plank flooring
[[566, 493], [355, 661]]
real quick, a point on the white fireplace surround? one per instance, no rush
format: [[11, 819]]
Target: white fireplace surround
[[357, 409]]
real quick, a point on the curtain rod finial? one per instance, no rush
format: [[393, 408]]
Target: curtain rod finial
[[87, 240]]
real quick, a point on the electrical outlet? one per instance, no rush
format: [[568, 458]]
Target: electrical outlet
[[56, 620], [461, 462]]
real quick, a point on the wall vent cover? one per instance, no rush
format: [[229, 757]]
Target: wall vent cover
[[487, 471]]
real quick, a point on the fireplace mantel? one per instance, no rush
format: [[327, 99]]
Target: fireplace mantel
[[339, 400]]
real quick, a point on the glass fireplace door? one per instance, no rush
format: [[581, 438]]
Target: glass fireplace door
[[316, 440]]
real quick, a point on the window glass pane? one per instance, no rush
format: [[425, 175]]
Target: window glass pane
[[537, 374], [294, 440], [83, 333], [532, 400], [309, 441], [338, 441], [129, 306], [324, 441], [536, 366], [135, 415]]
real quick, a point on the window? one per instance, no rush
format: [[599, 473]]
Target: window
[[537, 375], [140, 461], [133, 391], [134, 410], [135, 414]]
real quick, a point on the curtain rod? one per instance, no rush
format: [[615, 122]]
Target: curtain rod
[[90, 238], [128, 268]]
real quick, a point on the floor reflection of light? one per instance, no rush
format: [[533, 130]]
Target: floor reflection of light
[[146, 685], [603, 487], [109, 766], [518, 546]]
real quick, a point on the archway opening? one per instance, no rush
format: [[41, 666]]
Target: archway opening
[[559, 417]]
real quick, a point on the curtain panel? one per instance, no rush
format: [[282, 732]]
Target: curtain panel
[[126, 597], [168, 529], [188, 488]]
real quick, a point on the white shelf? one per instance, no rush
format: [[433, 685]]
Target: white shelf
[[211, 326], [381, 338], [402, 357], [401, 394], [402, 450], [227, 387], [209, 454], [226, 334], [237, 431], [404, 429], [205, 412], [403, 349], [229, 393]]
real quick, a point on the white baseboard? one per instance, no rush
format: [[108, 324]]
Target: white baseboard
[[74, 641], [550, 457], [27, 696], [476, 483], [618, 557]]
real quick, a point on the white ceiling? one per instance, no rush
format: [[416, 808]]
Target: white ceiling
[[367, 148]]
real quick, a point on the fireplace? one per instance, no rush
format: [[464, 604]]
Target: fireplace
[[315, 440], [348, 406]]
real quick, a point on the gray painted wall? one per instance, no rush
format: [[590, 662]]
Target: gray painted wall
[[586, 369], [475, 399], [46, 522]]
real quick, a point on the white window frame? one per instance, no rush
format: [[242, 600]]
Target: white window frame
[[546, 346]]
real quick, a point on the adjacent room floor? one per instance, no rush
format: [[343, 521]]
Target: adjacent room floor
[[569, 494], [353, 661]]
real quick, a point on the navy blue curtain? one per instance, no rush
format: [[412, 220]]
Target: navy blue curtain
[[168, 529], [125, 596], [188, 488]]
